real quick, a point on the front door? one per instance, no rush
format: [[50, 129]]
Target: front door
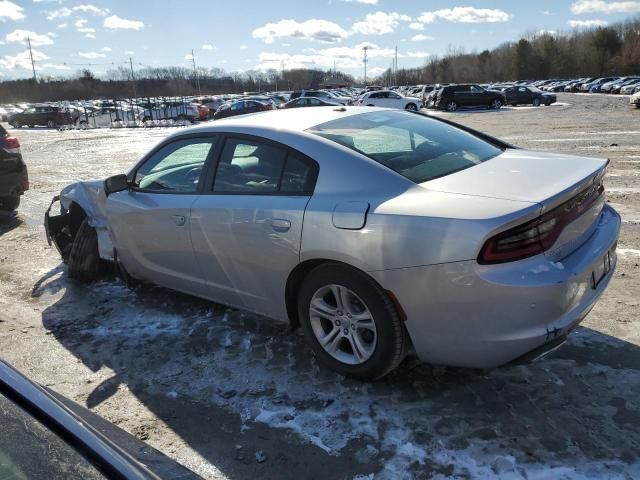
[[150, 223], [247, 229]]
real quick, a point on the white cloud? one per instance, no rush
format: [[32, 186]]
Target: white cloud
[[114, 22], [376, 71], [420, 37], [11, 11], [106, 49], [87, 30], [314, 29], [243, 47], [56, 66], [62, 25], [343, 56], [472, 15], [89, 35], [67, 12], [22, 60], [546, 12], [545, 32], [129, 52], [189, 57], [379, 23], [91, 55], [417, 54], [365, 2], [208, 46], [37, 39], [80, 23], [601, 6], [587, 23], [91, 9], [427, 17], [416, 26]]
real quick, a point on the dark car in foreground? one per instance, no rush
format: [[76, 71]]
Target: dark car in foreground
[[453, 97], [521, 95], [14, 180], [45, 435], [42, 115], [240, 107]]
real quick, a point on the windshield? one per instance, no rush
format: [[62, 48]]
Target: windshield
[[415, 146]]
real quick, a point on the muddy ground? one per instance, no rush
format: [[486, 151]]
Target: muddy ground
[[233, 395]]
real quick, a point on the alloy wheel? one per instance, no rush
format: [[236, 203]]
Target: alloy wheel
[[496, 104], [342, 324]]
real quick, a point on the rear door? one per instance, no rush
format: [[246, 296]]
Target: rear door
[[478, 96], [247, 225], [150, 223], [462, 95]]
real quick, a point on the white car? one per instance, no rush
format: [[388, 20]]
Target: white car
[[389, 99], [635, 99]]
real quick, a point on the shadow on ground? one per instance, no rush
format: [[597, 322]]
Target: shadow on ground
[[9, 221], [220, 379]]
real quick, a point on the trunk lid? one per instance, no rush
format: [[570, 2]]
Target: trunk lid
[[523, 175], [555, 181]]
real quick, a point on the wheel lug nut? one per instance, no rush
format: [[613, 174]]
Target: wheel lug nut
[[339, 313], [348, 315], [338, 323], [346, 331]]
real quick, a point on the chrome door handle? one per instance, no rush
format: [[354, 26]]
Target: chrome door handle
[[280, 224], [179, 220]]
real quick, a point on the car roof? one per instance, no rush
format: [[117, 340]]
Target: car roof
[[293, 119]]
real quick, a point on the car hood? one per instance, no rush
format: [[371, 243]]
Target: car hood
[[523, 175]]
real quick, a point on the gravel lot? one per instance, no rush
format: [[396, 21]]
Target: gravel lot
[[233, 395]]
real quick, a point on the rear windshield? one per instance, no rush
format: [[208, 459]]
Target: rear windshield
[[415, 146]]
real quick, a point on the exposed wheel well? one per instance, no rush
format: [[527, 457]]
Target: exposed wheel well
[[298, 274], [76, 216]]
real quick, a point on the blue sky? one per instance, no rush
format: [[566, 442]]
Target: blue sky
[[68, 35]]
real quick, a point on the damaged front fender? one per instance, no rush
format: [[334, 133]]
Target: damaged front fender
[[79, 201]]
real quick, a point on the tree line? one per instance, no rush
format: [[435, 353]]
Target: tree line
[[611, 50]]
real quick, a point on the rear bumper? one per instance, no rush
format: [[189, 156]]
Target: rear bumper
[[470, 315]]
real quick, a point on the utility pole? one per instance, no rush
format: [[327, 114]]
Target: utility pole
[[133, 78], [364, 61], [195, 73], [395, 68], [33, 65]]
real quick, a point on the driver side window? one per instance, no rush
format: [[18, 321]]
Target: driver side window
[[176, 167]]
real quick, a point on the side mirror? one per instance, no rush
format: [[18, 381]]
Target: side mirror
[[114, 184]]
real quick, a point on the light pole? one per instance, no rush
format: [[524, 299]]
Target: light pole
[[364, 61]]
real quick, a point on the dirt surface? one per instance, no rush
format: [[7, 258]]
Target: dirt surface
[[233, 395]]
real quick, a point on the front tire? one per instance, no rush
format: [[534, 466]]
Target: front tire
[[51, 124], [496, 104], [10, 203], [452, 106], [412, 107], [351, 323], [536, 102], [84, 260]]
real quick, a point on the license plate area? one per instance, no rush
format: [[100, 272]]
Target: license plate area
[[600, 271]]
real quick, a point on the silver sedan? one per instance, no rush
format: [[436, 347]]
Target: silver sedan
[[376, 231]]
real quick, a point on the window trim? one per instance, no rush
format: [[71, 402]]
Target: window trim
[[214, 137], [210, 174]]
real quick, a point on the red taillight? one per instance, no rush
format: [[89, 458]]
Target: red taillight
[[10, 142], [538, 235]]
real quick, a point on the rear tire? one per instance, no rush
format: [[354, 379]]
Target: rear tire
[[412, 107], [84, 260], [9, 203], [51, 124], [496, 104], [451, 106], [536, 102], [16, 124], [381, 348]]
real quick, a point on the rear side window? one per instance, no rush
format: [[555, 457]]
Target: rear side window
[[256, 168], [415, 146]]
